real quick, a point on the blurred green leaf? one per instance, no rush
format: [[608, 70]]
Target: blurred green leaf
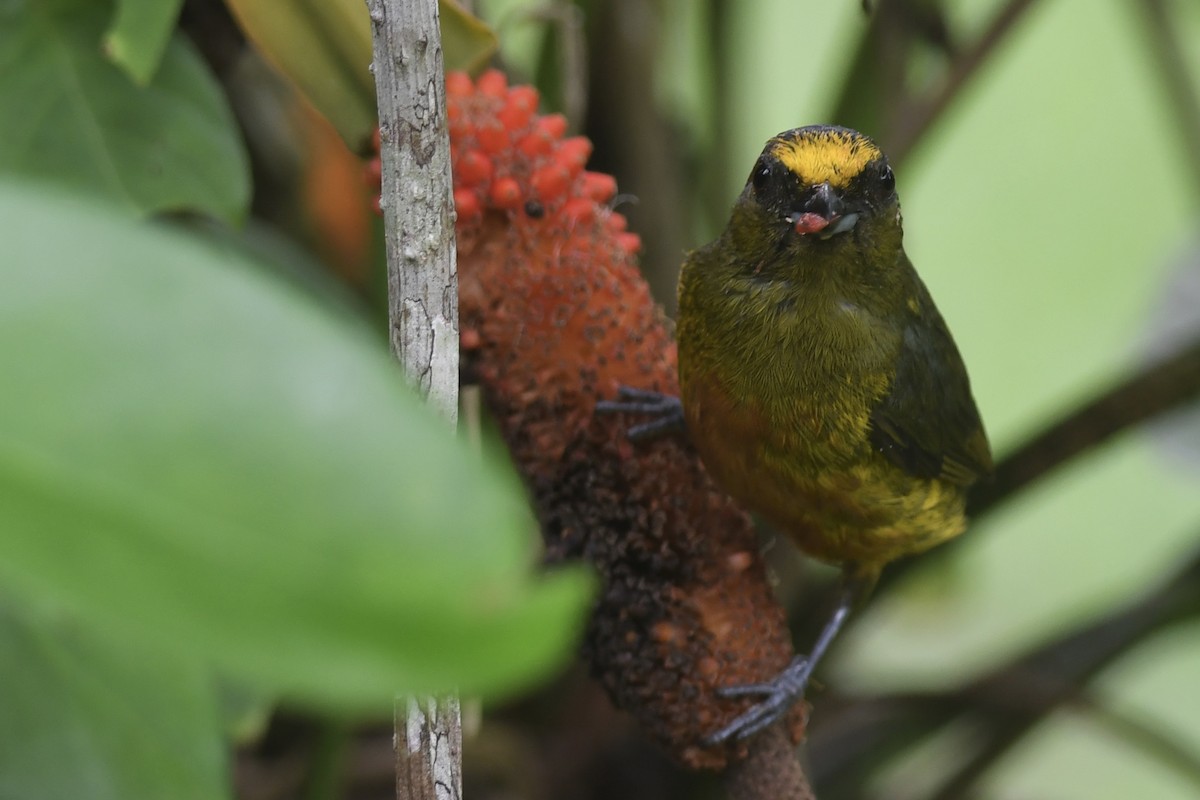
[[324, 48], [197, 454], [139, 34], [70, 115], [84, 718], [467, 42]]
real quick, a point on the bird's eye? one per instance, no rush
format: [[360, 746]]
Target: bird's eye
[[760, 176], [888, 180]]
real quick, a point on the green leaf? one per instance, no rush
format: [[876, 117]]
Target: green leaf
[[201, 456], [139, 34], [84, 718], [467, 41], [324, 48], [69, 115]]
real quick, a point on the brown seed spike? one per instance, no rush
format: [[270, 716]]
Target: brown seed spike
[[559, 316]]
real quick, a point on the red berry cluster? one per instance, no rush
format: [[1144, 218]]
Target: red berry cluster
[[508, 158]]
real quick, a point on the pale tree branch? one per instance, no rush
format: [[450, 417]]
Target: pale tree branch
[[415, 196], [418, 215]]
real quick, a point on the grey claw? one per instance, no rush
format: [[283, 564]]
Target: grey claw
[[778, 696], [666, 410]]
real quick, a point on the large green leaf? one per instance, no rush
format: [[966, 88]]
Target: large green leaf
[[324, 48], [139, 34], [195, 453], [85, 718], [467, 42], [70, 115]]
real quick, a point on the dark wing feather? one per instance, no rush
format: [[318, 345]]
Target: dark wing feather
[[927, 424]]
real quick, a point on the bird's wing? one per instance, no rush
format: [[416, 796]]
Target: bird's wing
[[927, 424]]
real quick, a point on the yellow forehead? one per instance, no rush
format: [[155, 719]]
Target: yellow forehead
[[834, 156]]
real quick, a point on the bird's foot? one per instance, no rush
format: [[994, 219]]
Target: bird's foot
[[666, 410], [778, 695]]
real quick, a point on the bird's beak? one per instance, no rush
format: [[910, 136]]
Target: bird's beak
[[822, 213]]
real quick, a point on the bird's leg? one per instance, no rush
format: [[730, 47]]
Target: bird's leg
[[666, 410], [781, 692]]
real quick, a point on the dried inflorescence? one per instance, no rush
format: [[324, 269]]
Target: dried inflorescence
[[555, 315]]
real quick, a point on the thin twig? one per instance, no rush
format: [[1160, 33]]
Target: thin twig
[[913, 125], [875, 91], [1160, 388], [1182, 95], [1008, 701], [1072, 663], [1159, 745], [418, 216]]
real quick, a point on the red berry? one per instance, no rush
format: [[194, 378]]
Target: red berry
[[492, 137], [469, 339], [629, 242], [617, 223], [474, 168], [513, 119], [505, 193], [458, 84], [573, 153], [599, 187], [373, 174], [519, 107], [492, 83], [579, 211], [553, 125], [467, 205], [549, 182], [535, 144], [524, 96]]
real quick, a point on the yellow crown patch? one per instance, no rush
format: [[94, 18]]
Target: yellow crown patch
[[825, 154]]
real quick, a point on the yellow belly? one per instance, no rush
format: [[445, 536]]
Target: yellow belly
[[828, 490]]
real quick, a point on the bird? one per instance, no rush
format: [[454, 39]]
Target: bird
[[818, 381]]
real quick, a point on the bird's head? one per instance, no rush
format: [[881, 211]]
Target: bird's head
[[821, 186]]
